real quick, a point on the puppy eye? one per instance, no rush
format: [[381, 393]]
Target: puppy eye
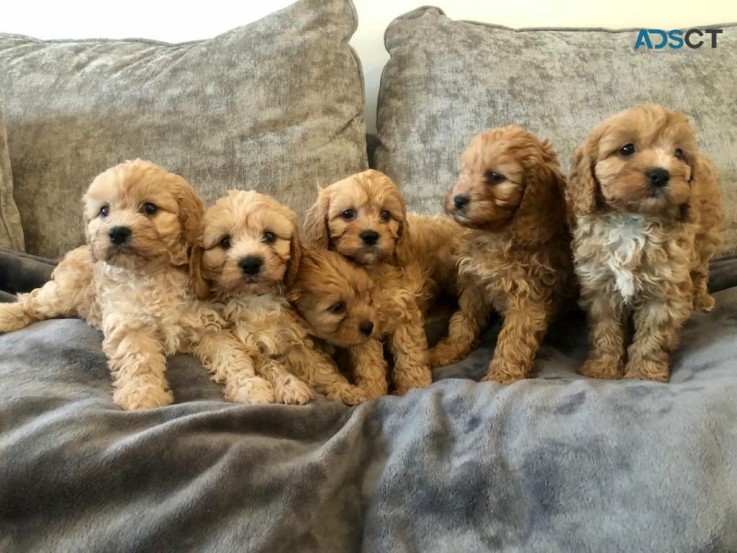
[[149, 209], [269, 237], [337, 307], [384, 215], [678, 153], [104, 211], [225, 242], [348, 214], [492, 177], [627, 150]]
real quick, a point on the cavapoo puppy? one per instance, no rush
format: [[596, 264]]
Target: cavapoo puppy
[[646, 219], [514, 257], [248, 255], [131, 281], [335, 297], [410, 258]]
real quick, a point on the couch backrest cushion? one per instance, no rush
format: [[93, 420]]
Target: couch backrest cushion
[[11, 232], [276, 106], [448, 80]]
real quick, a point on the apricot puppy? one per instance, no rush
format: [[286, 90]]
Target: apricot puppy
[[248, 255], [515, 255], [646, 220], [131, 281]]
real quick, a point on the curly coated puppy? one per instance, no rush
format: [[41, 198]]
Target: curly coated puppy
[[248, 255], [515, 255], [646, 220], [410, 258], [131, 281]]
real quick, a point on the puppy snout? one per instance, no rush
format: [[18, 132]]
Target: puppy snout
[[251, 265], [366, 328], [119, 235], [658, 176], [369, 237], [460, 201]]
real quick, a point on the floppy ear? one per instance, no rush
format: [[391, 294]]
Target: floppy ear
[[581, 189], [197, 282], [293, 264], [315, 226], [191, 211]]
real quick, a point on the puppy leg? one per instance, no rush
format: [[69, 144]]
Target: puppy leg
[[524, 326], [370, 368], [702, 300], [408, 345], [69, 289], [318, 370], [137, 364], [657, 329], [230, 363], [288, 389], [607, 326], [465, 326]]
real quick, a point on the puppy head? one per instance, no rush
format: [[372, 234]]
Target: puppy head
[[334, 297], [508, 178], [640, 160], [137, 213], [249, 244], [361, 217]]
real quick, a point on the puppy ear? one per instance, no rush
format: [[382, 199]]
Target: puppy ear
[[581, 189], [315, 226], [191, 211], [293, 264], [197, 282]]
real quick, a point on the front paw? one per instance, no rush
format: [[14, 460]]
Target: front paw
[[290, 390], [654, 371], [504, 372], [144, 395], [703, 302], [444, 354], [350, 395], [609, 368], [407, 379], [254, 391]]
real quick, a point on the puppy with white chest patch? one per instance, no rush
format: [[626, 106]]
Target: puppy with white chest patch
[[247, 257], [646, 219]]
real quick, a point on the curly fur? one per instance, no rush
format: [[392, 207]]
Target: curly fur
[[247, 225], [137, 292], [641, 249], [514, 256], [411, 261]]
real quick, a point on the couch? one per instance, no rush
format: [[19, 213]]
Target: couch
[[554, 463]]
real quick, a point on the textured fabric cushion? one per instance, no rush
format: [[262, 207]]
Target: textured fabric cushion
[[448, 80], [11, 232], [276, 105]]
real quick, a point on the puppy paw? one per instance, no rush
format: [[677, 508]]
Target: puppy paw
[[444, 354], [13, 317], [405, 380], [654, 371], [609, 368], [350, 395], [704, 302], [254, 391], [504, 372], [374, 390], [290, 390], [142, 396]]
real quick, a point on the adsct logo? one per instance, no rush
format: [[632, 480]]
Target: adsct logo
[[657, 39]]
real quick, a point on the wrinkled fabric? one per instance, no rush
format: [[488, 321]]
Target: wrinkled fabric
[[11, 230]]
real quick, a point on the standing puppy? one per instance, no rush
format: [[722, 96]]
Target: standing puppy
[[646, 219], [515, 257]]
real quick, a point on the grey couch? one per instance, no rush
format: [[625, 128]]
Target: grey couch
[[554, 463]]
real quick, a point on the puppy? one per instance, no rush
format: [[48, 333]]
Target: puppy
[[248, 255], [131, 282], [335, 297], [646, 220], [515, 255], [409, 258]]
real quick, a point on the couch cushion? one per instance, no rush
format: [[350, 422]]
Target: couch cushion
[[276, 105], [11, 232], [448, 80]]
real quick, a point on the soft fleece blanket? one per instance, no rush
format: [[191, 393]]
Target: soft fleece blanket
[[555, 463]]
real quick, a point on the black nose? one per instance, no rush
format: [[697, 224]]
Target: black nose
[[460, 201], [119, 235], [369, 237], [658, 176], [366, 327], [251, 265]]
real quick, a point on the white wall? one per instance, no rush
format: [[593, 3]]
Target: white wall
[[175, 21]]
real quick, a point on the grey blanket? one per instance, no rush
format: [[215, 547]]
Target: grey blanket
[[557, 463]]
